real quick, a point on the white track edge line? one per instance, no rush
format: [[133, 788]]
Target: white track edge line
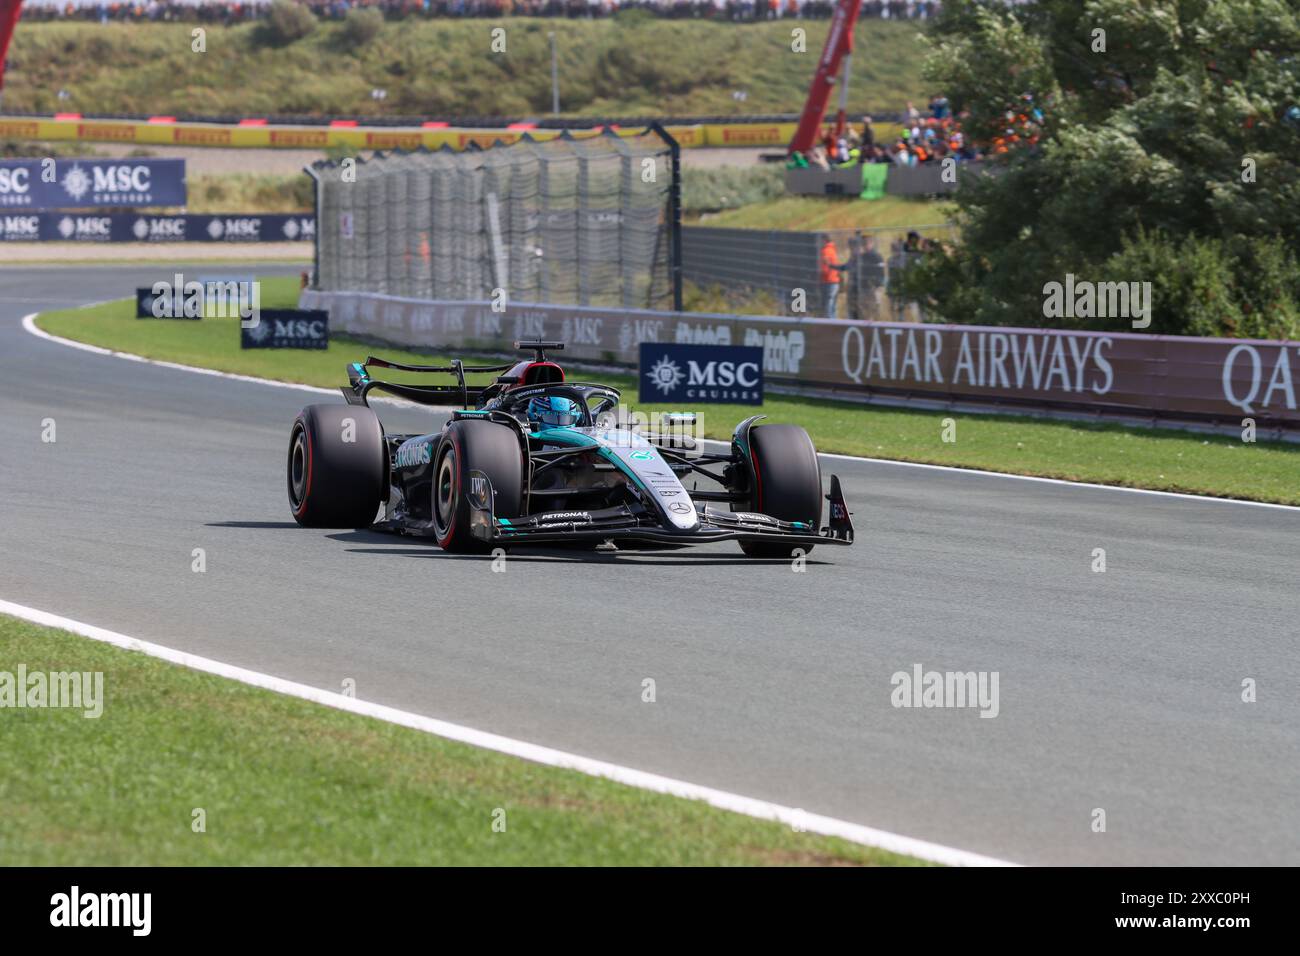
[[29, 323], [956, 469], [749, 806]]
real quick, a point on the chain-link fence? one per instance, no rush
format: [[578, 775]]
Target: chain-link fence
[[782, 271], [585, 221]]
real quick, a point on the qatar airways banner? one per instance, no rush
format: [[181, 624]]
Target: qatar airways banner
[[1114, 372], [37, 184]]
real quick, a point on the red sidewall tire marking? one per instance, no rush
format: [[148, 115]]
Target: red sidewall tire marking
[[451, 525], [306, 488]]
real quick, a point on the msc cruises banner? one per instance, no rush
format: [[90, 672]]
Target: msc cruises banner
[[35, 184], [140, 227]]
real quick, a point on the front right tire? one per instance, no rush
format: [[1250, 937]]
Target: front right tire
[[785, 482]]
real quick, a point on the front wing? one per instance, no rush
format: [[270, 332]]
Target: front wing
[[636, 524]]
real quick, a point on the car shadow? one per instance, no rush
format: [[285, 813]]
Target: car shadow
[[254, 525], [585, 557], [573, 555], [400, 546]]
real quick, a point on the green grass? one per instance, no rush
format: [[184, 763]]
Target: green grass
[[250, 193], [284, 781], [24, 149], [809, 213], [629, 67], [710, 189], [1166, 460], [719, 300]]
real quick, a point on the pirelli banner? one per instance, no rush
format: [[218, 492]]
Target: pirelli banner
[[1158, 377], [167, 131], [261, 134]]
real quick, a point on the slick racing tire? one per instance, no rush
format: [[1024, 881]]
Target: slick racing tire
[[337, 466], [786, 483], [474, 446]]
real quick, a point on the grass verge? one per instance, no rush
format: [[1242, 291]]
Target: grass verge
[[250, 192], [283, 781], [811, 213], [1165, 460]]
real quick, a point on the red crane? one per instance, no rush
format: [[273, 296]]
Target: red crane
[[839, 45], [9, 10]]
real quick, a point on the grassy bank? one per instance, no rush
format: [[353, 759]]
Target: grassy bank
[[1109, 454], [281, 781], [628, 66], [250, 193], [808, 213]]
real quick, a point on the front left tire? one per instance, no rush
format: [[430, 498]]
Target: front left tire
[[474, 446], [337, 466]]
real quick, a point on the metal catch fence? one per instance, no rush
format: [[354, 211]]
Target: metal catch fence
[[586, 221], [781, 270]]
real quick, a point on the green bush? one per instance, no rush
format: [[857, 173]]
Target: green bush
[[362, 26], [1131, 164], [1239, 288], [288, 22]]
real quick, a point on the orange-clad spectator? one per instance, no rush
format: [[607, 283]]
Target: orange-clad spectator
[[829, 272]]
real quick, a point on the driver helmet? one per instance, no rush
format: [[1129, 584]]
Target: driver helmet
[[550, 411]]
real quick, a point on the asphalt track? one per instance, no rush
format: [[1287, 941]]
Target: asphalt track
[[1118, 690]]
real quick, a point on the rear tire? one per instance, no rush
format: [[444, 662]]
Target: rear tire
[[786, 483], [474, 446], [335, 483]]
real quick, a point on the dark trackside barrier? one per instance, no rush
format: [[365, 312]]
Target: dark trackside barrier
[[929, 179], [1127, 374]]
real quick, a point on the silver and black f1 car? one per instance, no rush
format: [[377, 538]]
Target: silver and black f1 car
[[535, 459]]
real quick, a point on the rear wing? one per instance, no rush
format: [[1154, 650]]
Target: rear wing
[[360, 384]]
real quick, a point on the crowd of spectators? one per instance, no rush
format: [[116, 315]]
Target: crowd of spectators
[[873, 286], [924, 138], [235, 11], [104, 11]]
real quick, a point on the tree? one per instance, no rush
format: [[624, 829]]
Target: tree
[[1163, 127]]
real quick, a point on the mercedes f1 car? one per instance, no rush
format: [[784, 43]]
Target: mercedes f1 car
[[535, 459]]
